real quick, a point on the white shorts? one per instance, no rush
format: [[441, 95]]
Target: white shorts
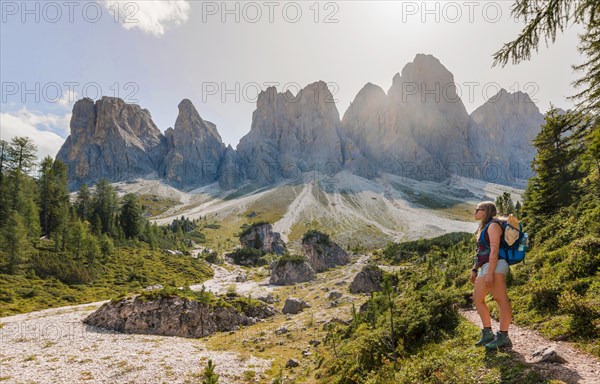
[[501, 267]]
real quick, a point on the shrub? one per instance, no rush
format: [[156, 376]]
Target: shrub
[[583, 315], [323, 237], [6, 296], [294, 259], [247, 256], [584, 259], [213, 258], [409, 250], [209, 375], [545, 299]]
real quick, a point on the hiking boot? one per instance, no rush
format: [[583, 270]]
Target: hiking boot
[[501, 340], [486, 336]]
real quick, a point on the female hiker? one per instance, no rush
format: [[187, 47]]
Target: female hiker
[[489, 276]]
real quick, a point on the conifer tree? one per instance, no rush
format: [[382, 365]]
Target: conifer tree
[[83, 205], [210, 377], [131, 216], [16, 247], [559, 145], [53, 195], [544, 19], [3, 187], [105, 208], [21, 159]]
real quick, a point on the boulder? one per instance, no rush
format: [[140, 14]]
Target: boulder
[[547, 354], [368, 280], [334, 295], [322, 253], [261, 236], [293, 306], [241, 277], [269, 299], [291, 270], [174, 316]]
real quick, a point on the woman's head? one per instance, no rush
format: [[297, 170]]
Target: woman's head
[[484, 212]]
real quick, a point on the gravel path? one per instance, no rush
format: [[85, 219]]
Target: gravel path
[[226, 277], [54, 346], [578, 367]]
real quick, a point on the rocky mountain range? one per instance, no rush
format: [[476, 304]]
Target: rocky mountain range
[[420, 129]]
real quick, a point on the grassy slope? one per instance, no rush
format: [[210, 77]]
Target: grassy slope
[[436, 267], [126, 270]]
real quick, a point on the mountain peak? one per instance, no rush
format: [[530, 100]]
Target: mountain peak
[[110, 139], [195, 149]]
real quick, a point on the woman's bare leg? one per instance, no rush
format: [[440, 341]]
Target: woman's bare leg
[[501, 297], [479, 293]]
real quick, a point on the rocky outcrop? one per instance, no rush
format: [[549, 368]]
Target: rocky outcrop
[[111, 140], [261, 236], [292, 134], [501, 135], [419, 129], [231, 171], [291, 270], [368, 280], [322, 253], [195, 149], [174, 316], [293, 306]]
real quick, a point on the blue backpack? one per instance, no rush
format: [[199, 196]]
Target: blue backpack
[[513, 254]]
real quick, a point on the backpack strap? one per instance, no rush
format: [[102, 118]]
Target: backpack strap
[[484, 231]]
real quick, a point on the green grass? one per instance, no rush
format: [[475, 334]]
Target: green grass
[[555, 292], [456, 360], [449, 207], [272, 206], [154, 205], [546, 295], [421, 198], [127, 270]]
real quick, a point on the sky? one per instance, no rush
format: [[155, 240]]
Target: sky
[[221, 54]]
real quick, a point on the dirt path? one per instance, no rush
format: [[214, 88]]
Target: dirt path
[[578, 367], [233, 275], [54, 346]]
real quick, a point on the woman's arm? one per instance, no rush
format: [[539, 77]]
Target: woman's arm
[[473, 273]]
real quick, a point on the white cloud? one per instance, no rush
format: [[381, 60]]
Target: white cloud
[[68, 98], [153, 17], [49, 122], [37, 127]]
